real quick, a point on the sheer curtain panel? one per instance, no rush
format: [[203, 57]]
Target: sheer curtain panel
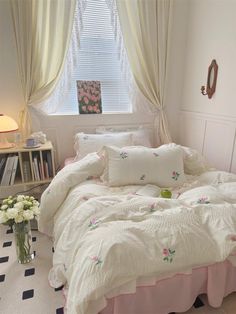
[[146, 27], [42, 32]]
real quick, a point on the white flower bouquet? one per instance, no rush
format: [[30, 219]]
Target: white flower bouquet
[[16, 212], [18, 209]]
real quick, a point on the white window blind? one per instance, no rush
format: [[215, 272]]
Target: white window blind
[[98, 60]]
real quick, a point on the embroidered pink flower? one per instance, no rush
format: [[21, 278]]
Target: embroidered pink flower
[[168, 255], [203, 200], [123, 155], [96, 259], [152, 207], [93, 224], [175, 175], [165, 252]]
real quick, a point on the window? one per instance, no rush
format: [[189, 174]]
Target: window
[[98, 60]]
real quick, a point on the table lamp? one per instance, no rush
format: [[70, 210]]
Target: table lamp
[[7, 124]]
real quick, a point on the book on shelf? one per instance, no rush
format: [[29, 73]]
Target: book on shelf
[[36, 169], [45, 168], [14, 168], [2, 165], [26, 171], [8, 170], [41, 170], [49, 161]]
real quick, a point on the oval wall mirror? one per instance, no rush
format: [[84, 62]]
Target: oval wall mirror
[[211, 79]]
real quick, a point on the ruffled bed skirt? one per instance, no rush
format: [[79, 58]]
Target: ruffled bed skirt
[[177, 294]]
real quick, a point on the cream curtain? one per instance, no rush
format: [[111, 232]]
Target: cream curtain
[[42, 30], [146, 29]]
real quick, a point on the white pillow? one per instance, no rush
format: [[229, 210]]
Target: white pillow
[[194, 162], [141, 165], [140, 136], [89, 143]]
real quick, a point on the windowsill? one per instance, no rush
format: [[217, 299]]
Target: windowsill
[[89, 114]]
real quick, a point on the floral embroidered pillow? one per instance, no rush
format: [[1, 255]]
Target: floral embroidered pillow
[[142, 165], [89, 143]]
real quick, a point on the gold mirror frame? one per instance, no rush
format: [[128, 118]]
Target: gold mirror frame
[[211, 79]]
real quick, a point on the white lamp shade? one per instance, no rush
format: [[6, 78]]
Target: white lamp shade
[[7, 124]]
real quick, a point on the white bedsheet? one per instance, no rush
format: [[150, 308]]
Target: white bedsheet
[[109, 239]]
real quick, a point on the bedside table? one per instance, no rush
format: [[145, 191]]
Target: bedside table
[[21, 168]]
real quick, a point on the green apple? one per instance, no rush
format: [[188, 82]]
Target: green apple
[[166, 193]]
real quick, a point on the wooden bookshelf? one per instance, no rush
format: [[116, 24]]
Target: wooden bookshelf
[[34, 166]]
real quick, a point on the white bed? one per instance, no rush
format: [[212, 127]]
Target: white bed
[[109, 239]]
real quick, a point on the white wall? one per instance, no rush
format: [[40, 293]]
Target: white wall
[[211, 35], [176, 65], [210, 124]]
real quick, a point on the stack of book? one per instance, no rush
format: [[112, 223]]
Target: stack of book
[[8, 167], [42, 168]]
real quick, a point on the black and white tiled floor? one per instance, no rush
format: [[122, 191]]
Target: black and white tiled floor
[[24, 289]]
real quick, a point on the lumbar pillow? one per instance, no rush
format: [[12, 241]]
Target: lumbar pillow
[[161, 166]]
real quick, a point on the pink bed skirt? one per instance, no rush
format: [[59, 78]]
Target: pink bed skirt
[[177, 294]]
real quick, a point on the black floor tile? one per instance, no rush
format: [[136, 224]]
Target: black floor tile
[[6, 244], [9, 231], [34, 239], [60, 311], [28, 294], [2, 278], [4, 259], [29, 272]]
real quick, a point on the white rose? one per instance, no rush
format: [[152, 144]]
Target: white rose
[[19, 205], [31, 198], [36, 210], [19, 218], [28, 214], [36, 203], [9, 202], [20, 198], [4, 207], [12, 213], [3, 217]]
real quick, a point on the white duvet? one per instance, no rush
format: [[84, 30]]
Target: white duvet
[[108, 240]]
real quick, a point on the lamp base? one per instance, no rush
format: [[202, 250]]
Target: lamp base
[[6, 145]]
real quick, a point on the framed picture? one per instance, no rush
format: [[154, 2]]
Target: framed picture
[[89, 97]]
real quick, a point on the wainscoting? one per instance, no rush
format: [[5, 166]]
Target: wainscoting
[[214, 136]]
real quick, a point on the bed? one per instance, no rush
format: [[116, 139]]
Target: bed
[[120, 248]]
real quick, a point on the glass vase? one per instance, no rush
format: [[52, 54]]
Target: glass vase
[[23, 241]]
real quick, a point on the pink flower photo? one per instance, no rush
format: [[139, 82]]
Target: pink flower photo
[[89, 97]]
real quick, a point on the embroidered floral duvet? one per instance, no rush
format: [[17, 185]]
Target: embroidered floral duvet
[[107, 240]]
